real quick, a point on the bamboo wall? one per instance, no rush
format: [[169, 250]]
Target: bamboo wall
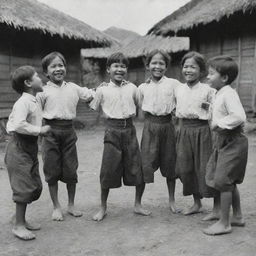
[[19, 48], [235, 37]]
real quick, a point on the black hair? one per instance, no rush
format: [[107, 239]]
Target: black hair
[[49, 58], [117, 57], [166, 56], [199, 59], [19, 76], [226, 66]]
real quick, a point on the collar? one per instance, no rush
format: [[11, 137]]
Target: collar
[[50, 83], [149, 80], [111, 83], [223, 89], [194, 86], [29, 96]]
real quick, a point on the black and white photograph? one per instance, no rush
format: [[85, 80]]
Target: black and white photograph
[[127, 127]]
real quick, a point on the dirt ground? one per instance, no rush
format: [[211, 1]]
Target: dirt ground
[[122, 232]]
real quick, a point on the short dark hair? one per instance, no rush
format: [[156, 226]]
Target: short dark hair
[[199, 59], [49, 58], [117, 57], [19, 76], [166, 56], [225, 65]]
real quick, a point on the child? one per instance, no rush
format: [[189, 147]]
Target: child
[[157, 100], [24, 125], [59, 101], [227, 164], [121, 155], [194, 143]]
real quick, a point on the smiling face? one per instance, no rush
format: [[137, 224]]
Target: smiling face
[[117, 72], [56, 71], [157, 66], [191, 71], [214, 79]]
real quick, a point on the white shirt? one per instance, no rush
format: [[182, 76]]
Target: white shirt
[[60, 102], [228, 112], [26, 116], [189, 101], [158, 98], [116, 101]]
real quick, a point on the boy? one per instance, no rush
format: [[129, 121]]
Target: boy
[[157, 100], [59, 101], [227, 164], [121, 155], [24, 125]]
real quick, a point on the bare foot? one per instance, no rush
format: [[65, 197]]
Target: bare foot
[[173, 208], [32, 226], [28, 225], [22, 233], [193, 210], [73, 212], [217, 229], [139, 210], [237, 222], [211, 216], [57, 215], [100, 215]]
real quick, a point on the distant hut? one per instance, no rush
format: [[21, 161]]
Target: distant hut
[[219, 27], [28, 31], [136, 51]]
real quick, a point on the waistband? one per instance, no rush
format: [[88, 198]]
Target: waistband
[[24, 137], [119, 123], [193, 122], [59, 124], [158, 119], [236, 131]]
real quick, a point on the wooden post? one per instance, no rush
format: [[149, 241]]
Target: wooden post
[[254, 82], [239, 57]]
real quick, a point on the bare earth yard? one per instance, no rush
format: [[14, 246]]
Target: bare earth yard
[[122, 232]]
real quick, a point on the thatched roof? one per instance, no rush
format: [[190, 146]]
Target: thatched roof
[[124, 36], [33, 15], [141, 47], [200, 12]]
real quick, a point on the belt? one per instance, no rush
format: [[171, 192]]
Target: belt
[[61, 124], [158, 119], [235, 131], [193, 122], [28, 138], [119, 123]]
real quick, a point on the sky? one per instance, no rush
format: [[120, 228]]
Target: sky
[[135, 15]]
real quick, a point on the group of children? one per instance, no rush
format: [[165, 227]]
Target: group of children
[[206, 167]]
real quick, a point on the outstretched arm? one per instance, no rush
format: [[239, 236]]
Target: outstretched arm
[[96, 102]]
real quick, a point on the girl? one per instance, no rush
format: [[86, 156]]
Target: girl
[[157, 100], [194, 143], [59, 101]]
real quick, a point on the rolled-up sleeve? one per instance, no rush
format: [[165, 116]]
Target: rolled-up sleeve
[[85, 94]]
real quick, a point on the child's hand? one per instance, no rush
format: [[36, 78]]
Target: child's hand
[[217, 129], [205, 105], [45, 130]]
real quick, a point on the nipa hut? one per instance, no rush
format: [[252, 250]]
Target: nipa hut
[[136, 51], [219, 27], [28, 31]]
